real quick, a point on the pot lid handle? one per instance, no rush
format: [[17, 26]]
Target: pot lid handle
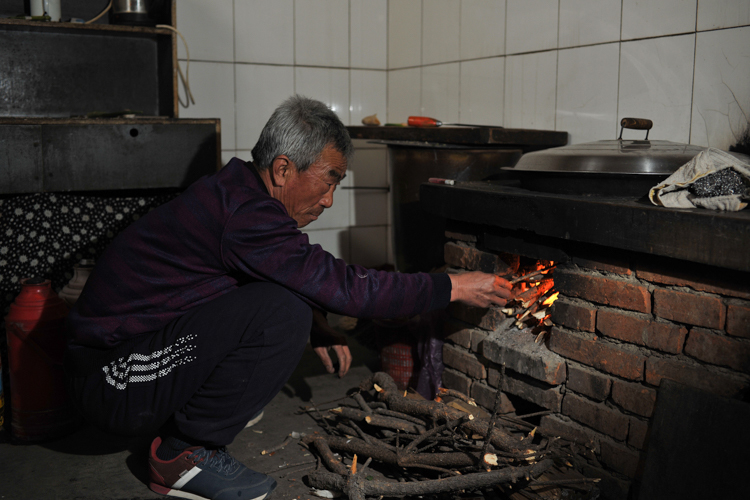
[[636, 124]]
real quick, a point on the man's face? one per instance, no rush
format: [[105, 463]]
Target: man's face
[[308, 193]]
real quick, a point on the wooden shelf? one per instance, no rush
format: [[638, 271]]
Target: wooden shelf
[[120, 120], [58, 70], [470, 136], [85, 154], [10, 24], [56, 74]]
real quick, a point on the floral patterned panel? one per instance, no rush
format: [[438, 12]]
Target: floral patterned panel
[[46, 234]]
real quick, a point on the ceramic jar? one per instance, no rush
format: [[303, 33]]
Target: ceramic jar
[[73, 289]]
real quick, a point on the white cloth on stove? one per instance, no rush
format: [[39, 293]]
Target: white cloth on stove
[[673, 191]]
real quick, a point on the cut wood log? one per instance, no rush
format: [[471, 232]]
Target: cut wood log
[[360, 489], [435, 411], [453, 444]]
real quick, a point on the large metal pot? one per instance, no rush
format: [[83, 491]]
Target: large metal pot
[[612, 167]]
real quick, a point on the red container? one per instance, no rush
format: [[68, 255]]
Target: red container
[[35, 326], [397, 360], [398, 350]]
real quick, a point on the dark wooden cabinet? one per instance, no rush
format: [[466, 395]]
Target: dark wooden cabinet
[[54, 155], [95, 107], [67, 69]]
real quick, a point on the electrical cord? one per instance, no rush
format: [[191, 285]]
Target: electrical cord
[[106, 9], [184, 78]]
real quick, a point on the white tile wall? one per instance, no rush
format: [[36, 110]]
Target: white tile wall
[[212, 86], [369, 246], [368, 167], [440, 26], [369, 34], [334, 241], [656, 81], [440, 92], [262, 31], [207, 28], [368, 95], [244, 154], [369, 208], [482, 28], [657, 17], [721, 97], [228, 154], [330, 86], [404, 94], [713, 14], [584, 22], [404, 33], [321, 29], [259, 90], [482, 91], [587, 92], [530, 90], [531, 25]]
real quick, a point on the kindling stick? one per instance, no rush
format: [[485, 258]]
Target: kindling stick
[[277, 447], [531, 275], [491, 425]]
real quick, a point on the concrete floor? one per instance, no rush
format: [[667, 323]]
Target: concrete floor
[[90, 464]]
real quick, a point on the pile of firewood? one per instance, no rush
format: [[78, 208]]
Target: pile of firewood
[[433, 448]]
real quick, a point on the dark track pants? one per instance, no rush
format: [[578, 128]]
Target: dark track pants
[[205, 374]]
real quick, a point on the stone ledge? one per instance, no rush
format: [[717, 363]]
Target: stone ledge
[[518, 352]]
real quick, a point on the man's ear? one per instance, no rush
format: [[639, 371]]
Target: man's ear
[[281, 170]]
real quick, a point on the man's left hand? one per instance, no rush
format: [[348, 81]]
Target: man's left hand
[[323, 338]]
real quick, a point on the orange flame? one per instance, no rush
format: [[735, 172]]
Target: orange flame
[[551, 299]]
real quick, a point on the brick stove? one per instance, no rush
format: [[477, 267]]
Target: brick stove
[[647, 294]]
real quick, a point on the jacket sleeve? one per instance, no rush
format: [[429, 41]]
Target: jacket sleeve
[[263, 242]]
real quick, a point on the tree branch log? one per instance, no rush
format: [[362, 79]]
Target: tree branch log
[[325, 444], [379, 420], [434, 410], [357, 488]]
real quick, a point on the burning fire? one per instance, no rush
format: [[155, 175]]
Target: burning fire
[[551, 299], [534, 296]]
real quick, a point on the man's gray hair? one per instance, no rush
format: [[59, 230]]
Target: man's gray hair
[[300, 128]]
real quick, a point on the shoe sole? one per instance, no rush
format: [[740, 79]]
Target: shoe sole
[[162, 490]]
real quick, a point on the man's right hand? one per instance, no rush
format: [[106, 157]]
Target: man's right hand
[[480, 289]]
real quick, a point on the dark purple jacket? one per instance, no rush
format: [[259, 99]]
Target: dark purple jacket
[[224, 231]]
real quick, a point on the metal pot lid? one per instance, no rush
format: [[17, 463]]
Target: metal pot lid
[[625, 157], [612, 157]]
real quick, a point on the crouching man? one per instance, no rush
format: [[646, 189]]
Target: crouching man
[[197, 314]]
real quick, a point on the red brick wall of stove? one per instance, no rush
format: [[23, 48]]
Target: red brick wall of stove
[[620, 327]]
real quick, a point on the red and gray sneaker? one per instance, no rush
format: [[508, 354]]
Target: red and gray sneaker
[[204, 474]]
